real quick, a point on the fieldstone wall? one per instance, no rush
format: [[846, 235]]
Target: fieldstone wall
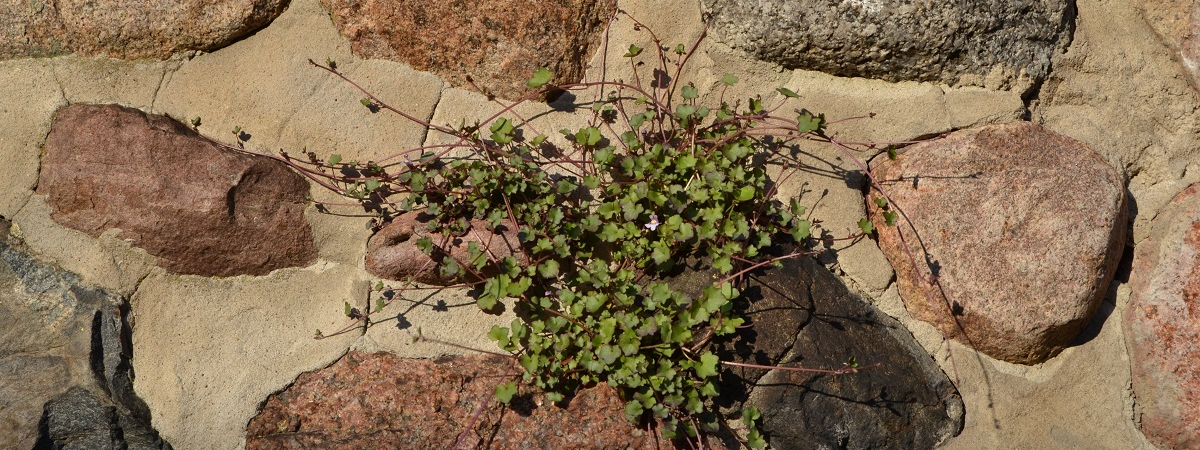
[[166, 283]]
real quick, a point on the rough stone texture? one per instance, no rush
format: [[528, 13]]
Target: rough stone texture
[[127, 29], [1162, 325], [82, 419], [1178, 27], [65, 376], [379, 400], [1026, 252], [804, 316], [198, 208], [899, 40], [392, 252], [1170, 19], [497, 44]]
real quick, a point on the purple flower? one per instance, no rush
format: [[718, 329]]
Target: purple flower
[[653, 225]]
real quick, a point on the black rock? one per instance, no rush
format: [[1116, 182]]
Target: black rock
[[65, 348], [803, 316]]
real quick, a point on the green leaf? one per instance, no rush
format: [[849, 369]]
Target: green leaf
[[506, 391], [634, 50], [680, 49], [502, 131], [788, 92], [538, 140], [689, 92], [633, 411], [685, 111], [881, 202], [890, 217], [865, 226], [891, 152], [588, 136], [685, 162], [365, 102], [548, 269], [499, 334], [756, 105], [802, 230], [707, 366], [807, 122], [349, 309], [723, 264], [425, 244], [745, 193], [729, 79], [540, 78], [372, 184], [334, 159]]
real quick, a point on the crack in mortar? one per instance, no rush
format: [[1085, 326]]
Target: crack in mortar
[[437, 103]]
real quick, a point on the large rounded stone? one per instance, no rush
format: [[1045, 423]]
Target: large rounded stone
[[1162, 325], [495, 46], [128, 29], [1015, 235], [380, 400], [199, 208]]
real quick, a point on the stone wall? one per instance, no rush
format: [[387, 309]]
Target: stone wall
[[164, 286]]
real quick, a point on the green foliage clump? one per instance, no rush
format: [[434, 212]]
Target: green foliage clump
[[656, 181]]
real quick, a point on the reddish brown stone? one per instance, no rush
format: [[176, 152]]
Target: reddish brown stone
[[1023, 226], [1170, 19], [392, 252], [128, 29], [383, 401], [1162, 325], [199, 208], [497, 44]]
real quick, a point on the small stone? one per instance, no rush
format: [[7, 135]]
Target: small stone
[[1162, 325], [1022, 228], [392, 253]]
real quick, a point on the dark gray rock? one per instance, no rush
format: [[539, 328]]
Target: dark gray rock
[[898, 40], [804, 316], [65, 376], [86, 420]]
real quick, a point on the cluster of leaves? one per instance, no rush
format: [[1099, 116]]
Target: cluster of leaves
[[655, 182]]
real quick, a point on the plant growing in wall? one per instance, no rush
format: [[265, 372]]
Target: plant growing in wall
[[656, 181]]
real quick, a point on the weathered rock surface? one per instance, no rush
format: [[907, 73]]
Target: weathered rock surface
[[128, 29], [1021, 226], [804, 316], [1162, 325], [498, 45], [200, 209], [80, 418], [1170, 19], [380, 400], [899, 40], [65, 376], [1178, 26], [392, 253]]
